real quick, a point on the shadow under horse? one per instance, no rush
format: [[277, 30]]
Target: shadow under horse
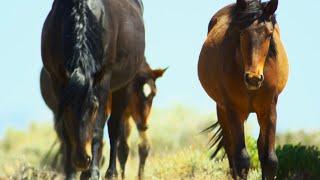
[[90, 48], [243, 67]]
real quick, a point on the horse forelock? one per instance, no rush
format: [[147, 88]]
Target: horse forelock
[[254, 10], [244, 17]]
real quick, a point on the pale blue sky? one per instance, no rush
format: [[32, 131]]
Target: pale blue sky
[[175, 33]]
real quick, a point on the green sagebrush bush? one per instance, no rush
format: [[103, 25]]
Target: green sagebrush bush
[[298, 162]]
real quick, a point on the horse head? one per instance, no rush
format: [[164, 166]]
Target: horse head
[[256, 22]]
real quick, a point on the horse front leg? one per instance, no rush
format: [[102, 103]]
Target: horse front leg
[[97, 146], [144, 148], [69, 170], [266, 142], [232, 124], [123, 148]]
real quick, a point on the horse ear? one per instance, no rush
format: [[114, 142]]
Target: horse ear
[[270, 8], [157, 73]]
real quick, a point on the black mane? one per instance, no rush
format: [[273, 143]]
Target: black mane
[[83, 52], [82, 38], [244, 17]]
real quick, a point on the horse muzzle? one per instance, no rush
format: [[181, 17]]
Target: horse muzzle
[[81, 161], [253, 81]]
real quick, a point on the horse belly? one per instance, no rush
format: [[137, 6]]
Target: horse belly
[[124, 72], [130, 50], [208, 73]]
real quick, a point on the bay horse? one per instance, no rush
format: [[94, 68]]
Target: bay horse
[[90, 48], [243, 67]]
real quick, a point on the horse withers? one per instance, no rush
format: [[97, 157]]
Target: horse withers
[[243, 67], [89, 49]]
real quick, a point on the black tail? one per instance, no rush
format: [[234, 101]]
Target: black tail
[[217, 139], [46, 158]]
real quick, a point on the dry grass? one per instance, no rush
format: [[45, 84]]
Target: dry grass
[[178, 151]]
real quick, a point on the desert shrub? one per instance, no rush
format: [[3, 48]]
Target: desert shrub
[[298, 162]]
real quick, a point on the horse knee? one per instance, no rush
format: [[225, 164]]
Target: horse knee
[[123, 153], [144, 150]]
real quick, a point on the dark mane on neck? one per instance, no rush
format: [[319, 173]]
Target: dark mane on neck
[[82, 38], [83, 52]]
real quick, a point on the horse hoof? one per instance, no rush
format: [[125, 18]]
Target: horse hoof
[[111, 174], [94, 175]]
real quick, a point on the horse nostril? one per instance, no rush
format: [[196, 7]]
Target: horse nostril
[[88, 160], [253, 80]]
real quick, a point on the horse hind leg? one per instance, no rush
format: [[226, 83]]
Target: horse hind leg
[[266, 143], [123, 147], [234, 141]]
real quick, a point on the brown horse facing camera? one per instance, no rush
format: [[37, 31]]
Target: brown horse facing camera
[[90, 48], [243, 66]]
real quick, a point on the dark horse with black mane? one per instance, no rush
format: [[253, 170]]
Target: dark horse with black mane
[[90, 48], [243, 66]]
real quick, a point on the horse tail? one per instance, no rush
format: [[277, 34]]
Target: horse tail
[[45, 159], [216, 141]]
